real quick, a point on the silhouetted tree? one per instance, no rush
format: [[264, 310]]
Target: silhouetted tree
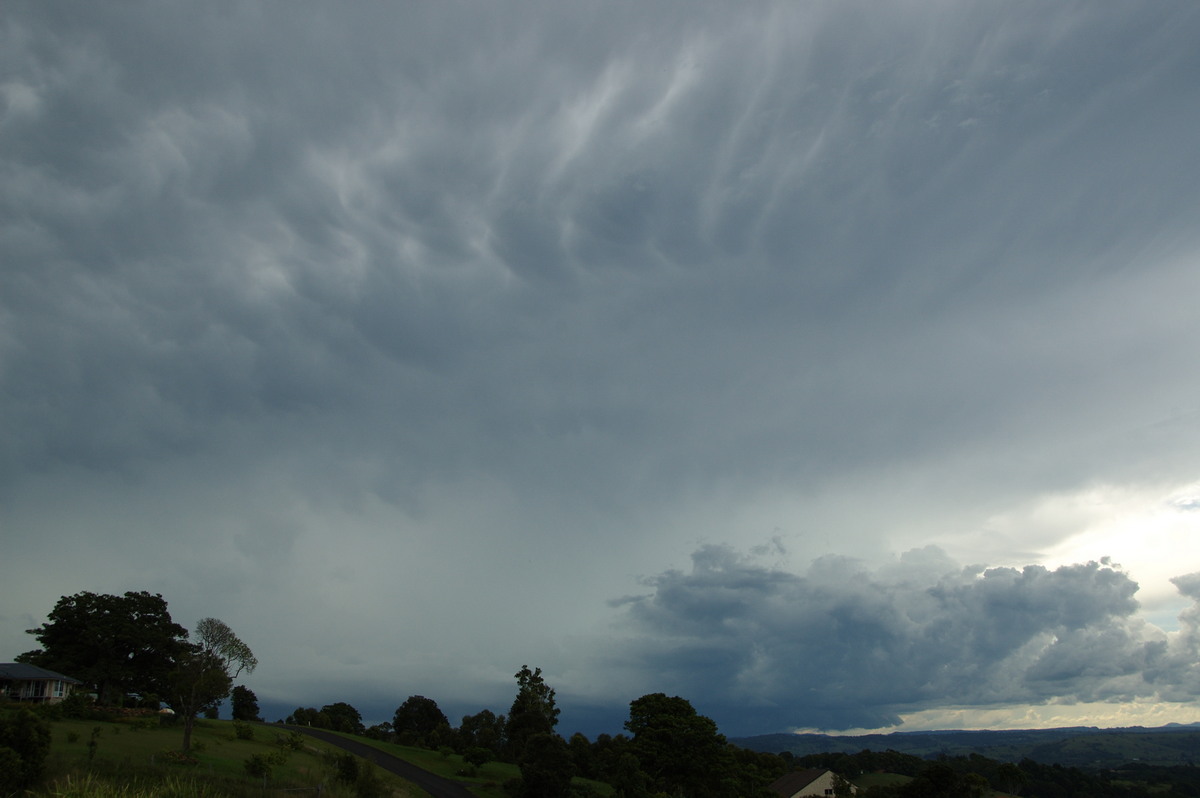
[[680, 750], [204, 673], [115, 644], [533, 710], [546, 767], [244, 704], [342, 717], [484, 729], [418, 720]]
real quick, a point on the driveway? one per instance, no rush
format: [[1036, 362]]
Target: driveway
[[436, 786]]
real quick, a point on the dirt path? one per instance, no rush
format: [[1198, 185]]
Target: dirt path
[[436, 786]]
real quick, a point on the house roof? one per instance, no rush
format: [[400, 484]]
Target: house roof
[[19, 670], [791, 783]]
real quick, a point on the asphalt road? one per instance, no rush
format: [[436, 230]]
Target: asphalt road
[[436, 786]]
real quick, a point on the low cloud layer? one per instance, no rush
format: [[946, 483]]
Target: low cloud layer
[[842, 645]]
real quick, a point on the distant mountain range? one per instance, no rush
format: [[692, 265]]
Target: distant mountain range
[[1083, 747]]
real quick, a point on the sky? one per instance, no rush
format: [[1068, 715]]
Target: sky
[[828, 364]]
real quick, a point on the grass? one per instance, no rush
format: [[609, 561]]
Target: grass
[[139, 759], [486, 781], [868, 780]]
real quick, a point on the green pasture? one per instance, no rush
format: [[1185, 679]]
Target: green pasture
[[485, 781], [138, 758]]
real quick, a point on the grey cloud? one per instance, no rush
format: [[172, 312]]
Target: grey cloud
[[842, 645], [549, 283]]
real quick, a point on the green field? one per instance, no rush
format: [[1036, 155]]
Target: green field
[[139, 758], [486, 781]]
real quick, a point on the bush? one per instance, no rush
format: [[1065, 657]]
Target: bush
[[263, 764], [346, 767], [243, 731], [477, 757], [258, 765], [293, 742], [24, 744], [368, 784]]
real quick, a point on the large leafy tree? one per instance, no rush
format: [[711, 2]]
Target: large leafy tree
[[115, 644], [533, 710], [204, 674], [680, 750], [418, 720]]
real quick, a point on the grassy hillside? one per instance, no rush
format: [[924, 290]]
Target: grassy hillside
[[138, 759], [485, 781]]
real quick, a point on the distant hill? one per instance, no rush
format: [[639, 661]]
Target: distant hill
[[1082, 747]]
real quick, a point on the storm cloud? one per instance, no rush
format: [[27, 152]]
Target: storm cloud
[[404, 338], [844, 644]]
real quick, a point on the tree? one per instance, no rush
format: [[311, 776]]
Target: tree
[[343, 718], [582, 755], [205, 673], [680, 750], [546, 767], [628, 778], [245, 704], [417, 719], [485, 729], [939, 780], [380, 731], [533, 710], [115, 644]]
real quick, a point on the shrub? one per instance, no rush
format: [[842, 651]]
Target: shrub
[[368, 784], [477, 757], [243, 731], [346, 767], [258, 766], [293, 742], [24, 744]]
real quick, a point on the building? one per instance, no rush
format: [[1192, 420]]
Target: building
[[21, 682], [805, 783]]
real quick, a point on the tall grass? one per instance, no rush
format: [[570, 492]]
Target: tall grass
[[92, 786]]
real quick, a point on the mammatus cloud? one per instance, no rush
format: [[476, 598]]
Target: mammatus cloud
[[846, 646], [445, 326]]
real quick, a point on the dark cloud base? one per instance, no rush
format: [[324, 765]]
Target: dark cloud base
[[844, 646]]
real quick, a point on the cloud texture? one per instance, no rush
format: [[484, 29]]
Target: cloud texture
[[404, 338], [842, 644]]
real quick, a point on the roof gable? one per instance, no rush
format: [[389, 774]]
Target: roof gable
[[19, 670], [797, 780]]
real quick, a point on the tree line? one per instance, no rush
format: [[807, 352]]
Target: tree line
[[670, 749], [128, 649]]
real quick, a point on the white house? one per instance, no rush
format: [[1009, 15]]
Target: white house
[[21, 682]]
